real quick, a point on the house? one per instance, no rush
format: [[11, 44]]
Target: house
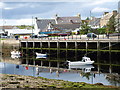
[[68, 20], [117, 19], [7, 27], [94, 23], [1, 32], [57, 24], [4, 29], [106, 17], [19, 32], [63, 27], [40, 24]]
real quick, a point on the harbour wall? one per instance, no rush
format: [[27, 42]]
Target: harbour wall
[[85, 45]]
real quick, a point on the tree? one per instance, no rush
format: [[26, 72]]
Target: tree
[[111, 25], [85, 28], [101, 30], [87, 18]]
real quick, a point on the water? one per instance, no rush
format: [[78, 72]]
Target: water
[[73, 76], [106, 65]]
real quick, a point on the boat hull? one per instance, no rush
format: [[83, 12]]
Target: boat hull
[[81, 63], [41, 55]]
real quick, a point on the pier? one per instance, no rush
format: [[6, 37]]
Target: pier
[[112, 45]]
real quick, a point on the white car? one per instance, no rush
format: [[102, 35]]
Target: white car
[[3, 36], [42, 35]]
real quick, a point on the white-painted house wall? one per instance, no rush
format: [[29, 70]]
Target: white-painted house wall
[[36, 30]]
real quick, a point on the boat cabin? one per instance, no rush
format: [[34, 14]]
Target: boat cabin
[[85, 59]]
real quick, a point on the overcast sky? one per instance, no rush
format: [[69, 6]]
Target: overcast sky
[[20, 13]]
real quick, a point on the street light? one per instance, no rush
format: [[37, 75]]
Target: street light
[[32, 27], [118, 19]]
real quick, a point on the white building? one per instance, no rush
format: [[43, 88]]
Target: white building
[[20, 32]]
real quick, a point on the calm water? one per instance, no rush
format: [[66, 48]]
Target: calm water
[[106, 63], [73, 76]]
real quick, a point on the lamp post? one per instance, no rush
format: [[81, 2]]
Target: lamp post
[[118, 26], [118, 19], [32, 27]]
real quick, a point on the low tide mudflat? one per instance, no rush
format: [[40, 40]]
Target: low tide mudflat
[[20, 81]]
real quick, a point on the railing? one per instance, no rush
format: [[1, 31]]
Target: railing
[[75, 37]]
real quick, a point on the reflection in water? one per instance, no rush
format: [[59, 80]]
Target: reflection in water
[[41, 57], [89, 74], [17, 66], [15, 56], [84, 68], [63, 74]]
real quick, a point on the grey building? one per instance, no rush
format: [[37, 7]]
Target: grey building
[[57, 23], [41, 24], [94, 23]]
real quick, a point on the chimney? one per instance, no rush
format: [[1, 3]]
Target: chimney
[[78, 14], [115, 12], [56, 16], [105, 13], [36, 18], [71, 21]]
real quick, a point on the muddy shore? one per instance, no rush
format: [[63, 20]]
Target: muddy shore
[[20, 81]]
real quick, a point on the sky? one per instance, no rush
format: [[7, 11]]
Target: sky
[[13, 12]]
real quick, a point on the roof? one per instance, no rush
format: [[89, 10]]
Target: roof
[[20, 31], [66, 26], [95, 22], [42, 23], [1, 31], [68, 20], [7, 27], [107, 16]]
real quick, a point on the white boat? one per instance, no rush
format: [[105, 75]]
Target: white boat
[[41, 55], [16, 53], [85, 61]]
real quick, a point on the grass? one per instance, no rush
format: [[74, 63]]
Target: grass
[[2, 39]]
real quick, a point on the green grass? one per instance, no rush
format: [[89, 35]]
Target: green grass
[[2, 39]]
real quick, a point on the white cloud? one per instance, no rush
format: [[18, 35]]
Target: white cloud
[[17, 22], [2, 4], [8, 8], [98, 9], [98, 1]]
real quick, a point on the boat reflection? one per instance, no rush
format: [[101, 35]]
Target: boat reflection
[[15, 56], [40, 57], [84, 68]]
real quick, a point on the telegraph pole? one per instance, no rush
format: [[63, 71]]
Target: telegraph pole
[[118, 20], [32, 27]]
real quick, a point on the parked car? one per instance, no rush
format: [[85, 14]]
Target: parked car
[[34, 36], [42, 35], [91, 35], [2, 36], [63, 34]]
